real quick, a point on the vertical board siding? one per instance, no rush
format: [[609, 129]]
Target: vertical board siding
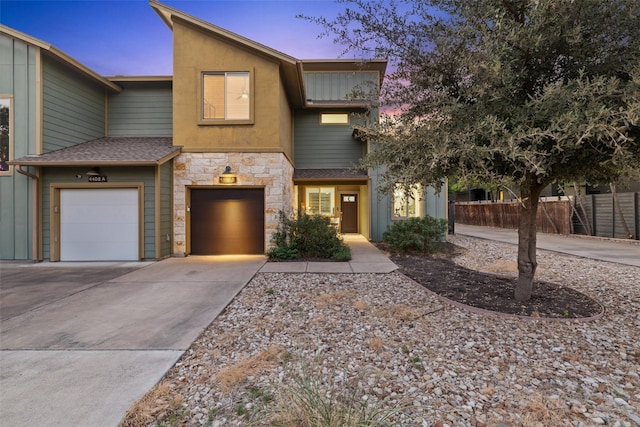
[[166, 208], [605, 219], [73, 107], [18, 79], [339, 86], [141, 109], [324, 146], [115, 174]]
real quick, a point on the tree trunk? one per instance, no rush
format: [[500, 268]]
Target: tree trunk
[[527, 262]]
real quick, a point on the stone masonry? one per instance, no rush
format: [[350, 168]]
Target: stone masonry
[[271, 171]]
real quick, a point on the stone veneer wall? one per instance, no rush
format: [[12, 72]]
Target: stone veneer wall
[[273, 171]]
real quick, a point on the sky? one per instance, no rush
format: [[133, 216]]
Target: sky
[[127, 37]]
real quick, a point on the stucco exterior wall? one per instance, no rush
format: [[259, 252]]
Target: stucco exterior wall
[[196, 52], [271, 171]]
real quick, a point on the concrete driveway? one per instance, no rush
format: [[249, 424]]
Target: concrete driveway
[[81, 342]]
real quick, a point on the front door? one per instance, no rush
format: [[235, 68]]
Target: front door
[[349, 209]]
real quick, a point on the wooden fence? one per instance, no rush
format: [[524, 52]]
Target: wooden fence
[[553, 216], [595, 215]]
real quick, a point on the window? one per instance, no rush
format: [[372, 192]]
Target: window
[[6, 149], [226, 96], [334, 118], [406, 205], [321, 201]]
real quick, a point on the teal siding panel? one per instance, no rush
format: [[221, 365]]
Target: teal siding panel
[[435, 205], [142, 108], [73, 107], [324, 146], [114, 174], [339, 86], [18, 79], [166, 208], [149, 221]]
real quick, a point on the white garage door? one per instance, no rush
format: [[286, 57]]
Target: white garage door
[[99, 224]]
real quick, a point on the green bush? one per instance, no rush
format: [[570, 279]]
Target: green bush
[[416, 235], [307, 236]]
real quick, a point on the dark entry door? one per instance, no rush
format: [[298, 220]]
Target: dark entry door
[[227, 221], [349, 209]]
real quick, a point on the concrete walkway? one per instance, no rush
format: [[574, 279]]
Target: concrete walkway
[[80, 343], [365, 258], [611, 250]]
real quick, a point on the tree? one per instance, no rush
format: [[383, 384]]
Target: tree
[[526, 91]]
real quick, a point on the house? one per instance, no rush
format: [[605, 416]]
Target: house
[[201, 162]]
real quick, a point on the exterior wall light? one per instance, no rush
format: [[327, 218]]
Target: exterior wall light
[[93, 172], [227, 176]]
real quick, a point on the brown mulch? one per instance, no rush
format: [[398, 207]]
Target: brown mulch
[[493, 292]]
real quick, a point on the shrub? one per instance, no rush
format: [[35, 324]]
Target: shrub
[[307, 236], [416, 235]]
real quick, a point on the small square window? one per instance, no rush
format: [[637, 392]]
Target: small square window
[[226, 96], [406, 205], [334, 118], [321, 201]]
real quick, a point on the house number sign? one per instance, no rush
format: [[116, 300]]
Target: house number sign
[[98, 178]]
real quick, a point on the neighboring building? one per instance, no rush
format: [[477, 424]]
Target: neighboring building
[[129, 168]]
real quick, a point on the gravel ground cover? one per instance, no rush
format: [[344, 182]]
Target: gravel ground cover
[[383, 342]]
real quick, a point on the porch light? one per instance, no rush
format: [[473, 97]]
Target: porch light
[[227, 176], [93, 172]]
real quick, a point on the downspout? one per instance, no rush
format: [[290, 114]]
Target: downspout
[[26, 173], [35, 238]]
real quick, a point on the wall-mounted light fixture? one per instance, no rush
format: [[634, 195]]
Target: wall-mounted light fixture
[[227, 176], [93, 172]]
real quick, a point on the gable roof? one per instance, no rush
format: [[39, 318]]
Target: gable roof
[[292, 69], [60, 55], [288, 64], [116, 151]]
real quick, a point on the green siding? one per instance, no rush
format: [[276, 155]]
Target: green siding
[[142, 108], [324, 146], [339, 86], [73, 107], [166, 208], [18, 79], [435, 205], [114, 174]]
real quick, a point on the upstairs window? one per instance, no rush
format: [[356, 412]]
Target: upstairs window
[[334, 118], [226, 96], [406, 205]]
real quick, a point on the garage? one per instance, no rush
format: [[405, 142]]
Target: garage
[[99, 224], [227, 221]]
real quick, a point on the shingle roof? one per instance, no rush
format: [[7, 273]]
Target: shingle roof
[[108, 151], [329, 174]]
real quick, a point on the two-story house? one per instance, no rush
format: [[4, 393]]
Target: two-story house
[[129, 168]]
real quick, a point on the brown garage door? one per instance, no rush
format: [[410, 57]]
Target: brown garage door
[[227, 221]]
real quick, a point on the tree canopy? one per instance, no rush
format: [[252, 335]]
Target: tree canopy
[[529, 92]]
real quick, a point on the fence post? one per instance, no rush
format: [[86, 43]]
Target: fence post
[[636, 214], [593, 215], [452, 216]]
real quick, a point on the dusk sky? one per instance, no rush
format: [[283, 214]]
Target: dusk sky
[[127, 37]]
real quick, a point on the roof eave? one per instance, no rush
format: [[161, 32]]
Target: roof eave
[[168, 14], [88, 163]]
